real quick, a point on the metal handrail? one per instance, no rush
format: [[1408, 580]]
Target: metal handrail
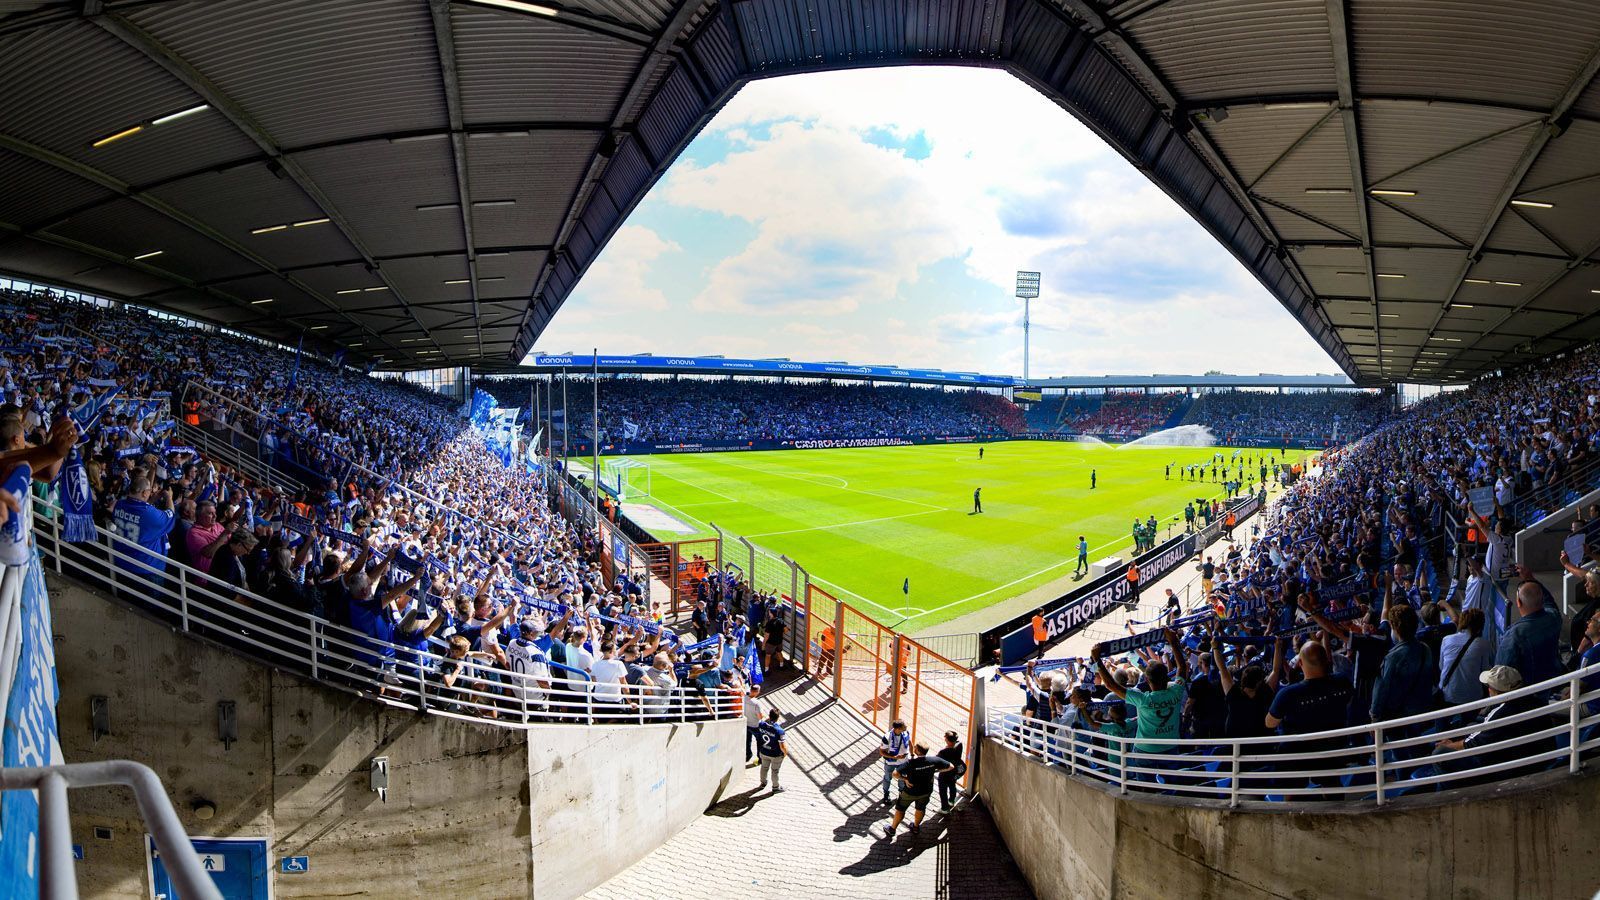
[[398, 675], [1584, 479], [1357, 763], [57, 880]]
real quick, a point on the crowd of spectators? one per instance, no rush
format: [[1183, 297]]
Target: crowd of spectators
[[1381, 588], [1124, 415], [663, 410], [367, 505], [1320, 418]]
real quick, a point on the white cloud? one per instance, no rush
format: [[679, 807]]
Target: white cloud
[[863, 251]]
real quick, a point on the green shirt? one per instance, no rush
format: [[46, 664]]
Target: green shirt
[[1159, 715]]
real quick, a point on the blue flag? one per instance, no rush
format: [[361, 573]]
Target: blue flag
[[77, 500], [906, 588], [752, 664]]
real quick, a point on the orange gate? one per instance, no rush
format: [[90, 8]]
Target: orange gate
[[680, 567], [931, 693]]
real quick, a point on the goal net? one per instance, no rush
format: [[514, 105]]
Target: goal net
[[625, 478]]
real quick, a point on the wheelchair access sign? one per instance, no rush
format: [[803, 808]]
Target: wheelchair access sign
[[238, 866]]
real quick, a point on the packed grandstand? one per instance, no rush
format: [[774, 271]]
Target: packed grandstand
[[1379, 590]]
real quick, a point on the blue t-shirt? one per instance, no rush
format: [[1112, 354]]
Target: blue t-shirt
[[147, 526], [769, 738]]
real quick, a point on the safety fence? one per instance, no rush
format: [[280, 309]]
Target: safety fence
[[1552, 725], [471, 685]]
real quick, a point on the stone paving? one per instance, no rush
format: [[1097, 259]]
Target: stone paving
[[821, 837]]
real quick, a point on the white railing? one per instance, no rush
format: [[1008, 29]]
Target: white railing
[[313, 647], [1374, 763], [58, 879]]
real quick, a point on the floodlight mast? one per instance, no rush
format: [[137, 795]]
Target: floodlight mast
[[1027, 291]]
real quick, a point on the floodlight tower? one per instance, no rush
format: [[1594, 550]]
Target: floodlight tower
[[1027, 290]]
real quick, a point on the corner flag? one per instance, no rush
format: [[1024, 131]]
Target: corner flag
[[906, 588]]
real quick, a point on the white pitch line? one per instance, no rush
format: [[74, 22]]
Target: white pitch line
[[701, 487], [844, 590], [842, 488], [926, 512]]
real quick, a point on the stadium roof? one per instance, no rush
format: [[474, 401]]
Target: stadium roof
[[649, 364], [425, 181], [1263, 380]]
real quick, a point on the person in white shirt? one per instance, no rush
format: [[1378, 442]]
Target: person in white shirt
[[610, 678], [755, 709]]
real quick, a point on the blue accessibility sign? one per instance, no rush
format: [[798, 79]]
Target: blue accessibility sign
[[294, 864]]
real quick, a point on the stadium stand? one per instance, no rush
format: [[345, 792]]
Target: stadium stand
[[665, 411], [1123, 415], [1312, 418], [423, 564], [1376, 613]]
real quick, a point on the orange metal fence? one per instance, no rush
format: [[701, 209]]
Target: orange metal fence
[[886, 676]]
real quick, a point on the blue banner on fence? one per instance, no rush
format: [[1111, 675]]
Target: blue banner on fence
[[31, 736], [1077, 609]]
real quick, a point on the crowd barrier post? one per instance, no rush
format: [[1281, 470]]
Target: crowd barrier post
[[1574, 739], [895, 674], [838, 648], [802, 602], [1377, 763]]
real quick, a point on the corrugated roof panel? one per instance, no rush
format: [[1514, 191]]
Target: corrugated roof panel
[[34, 193], [1036, 36], [240, 200], [1398, 136], [313, 71], [1574, 154], [1239, 48], [537, 172], [1391, 227], [517, 68], [378, 186], [627, 174], [672, 115], [1458, 193], [1523, 53], [68, 86], [1252, 137], [1291, 227], [1108, 97], [129, 229], [648, 15], [714, 49]]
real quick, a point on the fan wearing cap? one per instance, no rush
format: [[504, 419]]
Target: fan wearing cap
[[1499, 680]]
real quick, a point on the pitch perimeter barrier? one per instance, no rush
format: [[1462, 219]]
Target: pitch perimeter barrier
[[582, 447], [1012, 642]]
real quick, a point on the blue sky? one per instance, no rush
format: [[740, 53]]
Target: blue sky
[[879, 216]]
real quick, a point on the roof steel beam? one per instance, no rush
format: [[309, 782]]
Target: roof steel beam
[[1551, 126], [1339, 38], [124, 190], [1304, 100], [1109, 36], [165, 57], [661, 52], [444, 38]]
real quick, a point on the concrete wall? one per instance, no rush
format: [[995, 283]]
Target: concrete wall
[[1074, 840], [473, 810]]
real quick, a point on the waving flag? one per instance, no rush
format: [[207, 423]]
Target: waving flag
[[752, 664]]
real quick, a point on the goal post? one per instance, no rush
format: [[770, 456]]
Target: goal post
[[625, 478]]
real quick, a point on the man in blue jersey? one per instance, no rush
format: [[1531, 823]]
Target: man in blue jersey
[[144, 526], [771, 749], [1083, 556]]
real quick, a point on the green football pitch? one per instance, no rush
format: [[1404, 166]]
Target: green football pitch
[[863, 520]]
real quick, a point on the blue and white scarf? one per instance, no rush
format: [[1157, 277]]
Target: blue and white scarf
[[77, 500]]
